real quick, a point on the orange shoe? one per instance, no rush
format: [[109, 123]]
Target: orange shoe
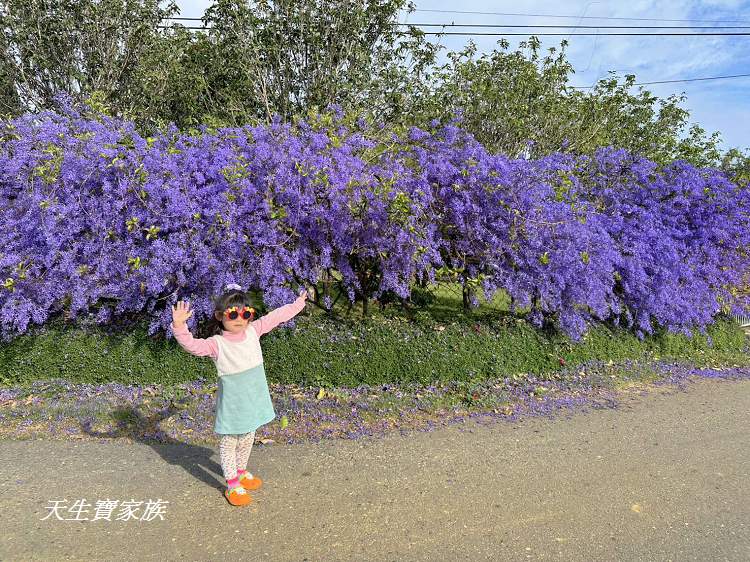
[[250, 482], [237, 496]]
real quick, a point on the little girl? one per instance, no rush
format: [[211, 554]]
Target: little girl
[[243, 403]]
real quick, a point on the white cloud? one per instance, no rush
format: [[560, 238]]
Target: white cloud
[[193, 8]]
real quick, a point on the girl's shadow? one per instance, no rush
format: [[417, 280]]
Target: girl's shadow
[[132, 423]]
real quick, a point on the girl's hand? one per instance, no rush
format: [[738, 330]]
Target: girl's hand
[[181, 312], [303, 294]]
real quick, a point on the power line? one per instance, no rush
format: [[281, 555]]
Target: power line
[[585, 34], [201, 28], [675, 81], [575, 17], [544, 34], [576, 26], [552, 26], [538, 15]]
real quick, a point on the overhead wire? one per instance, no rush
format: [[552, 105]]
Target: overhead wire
[[544, 34], [541, 26], [677, 80], [516, 14]]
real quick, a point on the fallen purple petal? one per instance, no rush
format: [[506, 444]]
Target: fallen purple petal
[[61, 410]]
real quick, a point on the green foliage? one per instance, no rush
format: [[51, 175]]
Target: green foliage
[[521, 103], [505, 98], [326, 352], [80, 48], [258, 58], [736, 164]]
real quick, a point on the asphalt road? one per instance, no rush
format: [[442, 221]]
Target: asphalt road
[[664, 477]]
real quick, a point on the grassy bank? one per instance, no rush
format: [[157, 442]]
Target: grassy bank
[[184, 413], [320, 351], [345, 377]]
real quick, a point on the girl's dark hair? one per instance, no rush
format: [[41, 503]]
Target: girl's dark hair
[[233, 297]]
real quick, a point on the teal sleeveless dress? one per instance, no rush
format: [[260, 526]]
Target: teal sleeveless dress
[[243, 402]]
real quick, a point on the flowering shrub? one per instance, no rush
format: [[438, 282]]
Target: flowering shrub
[[680, 235], [100, 222]]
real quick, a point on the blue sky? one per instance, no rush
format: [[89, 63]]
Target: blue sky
[[716, 105]]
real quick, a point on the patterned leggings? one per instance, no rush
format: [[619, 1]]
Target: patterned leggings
[[234, 451]]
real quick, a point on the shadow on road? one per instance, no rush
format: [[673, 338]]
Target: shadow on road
[[133, 424]]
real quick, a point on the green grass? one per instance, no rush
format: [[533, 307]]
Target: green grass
[[386, 347], [445, 303]]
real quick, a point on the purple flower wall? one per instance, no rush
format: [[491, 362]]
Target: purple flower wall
[[102, 223]]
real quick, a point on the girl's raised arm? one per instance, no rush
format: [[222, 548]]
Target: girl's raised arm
[[266, 323], [208, 347], [196, 346]]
